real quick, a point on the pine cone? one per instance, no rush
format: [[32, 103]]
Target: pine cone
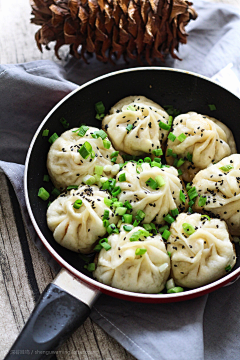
[[133, 28]]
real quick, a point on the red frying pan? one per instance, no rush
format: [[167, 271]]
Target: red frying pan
[[67, 301]]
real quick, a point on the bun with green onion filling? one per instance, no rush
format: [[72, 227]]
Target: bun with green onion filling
[[201, 250], [133, 125], [136, 261], [77, 226], [67, 166], [154, 190], [199, 141], [219, 188]]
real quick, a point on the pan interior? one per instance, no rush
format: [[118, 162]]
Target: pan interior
[[182, 90]]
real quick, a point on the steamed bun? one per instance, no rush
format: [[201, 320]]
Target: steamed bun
[[121, 268], [145, 136], [208, 141], [202, 257], [79, 229], [222, 189], [155, 203], [65, 164]]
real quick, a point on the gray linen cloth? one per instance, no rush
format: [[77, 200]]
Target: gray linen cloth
[[203, 328]]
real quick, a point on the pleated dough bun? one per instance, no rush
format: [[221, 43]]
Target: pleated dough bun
[[67, 167], [79, 229], [222, 189], [145, 135], [208, 141], [202, 257], [121, 268], [155, 203]]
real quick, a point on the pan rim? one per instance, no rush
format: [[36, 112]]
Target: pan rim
[[127, 294]]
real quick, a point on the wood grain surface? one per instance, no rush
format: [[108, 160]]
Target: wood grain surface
[[90, 342]]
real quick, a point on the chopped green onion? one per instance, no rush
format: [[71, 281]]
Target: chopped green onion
[[140, 215], [190, 210], [55, 192], [106, 246], [188, 228], [138, 234], [70, 187], [116, 191], [53, 138], [82, 130], [175, 162], [89, 180], [106, 214], [163, 228], [114, 159], [166, 234], [205, 216], [140, 251], [45, 132], [46, 178], [127, 218], [169, 254], [169, 219], [90, 267], [136, 223], [228, 268], [157, 152], [170, 120], [92, 154], [155, 163], [120, 211], [189, 157], [98, 170], [164, 126], [157, 160], [169, 152], [129, 127], [119, 224], [106, 144], [147, 227], [202, 200], [191, 203], [114, 154], [77, 204], [192, 193], [160, 180], [175, 290], [128, 205], [99, 107], [154, 230], [181, 137], [171, 110], [127, 227], [99, 116], [182, 197], [180, 172], [171, 136], [98, 248], [147, 159], [132, 108], [112, 229], [64, 123], [43, 194], [180, 162], [212, 107], [175, 212], [122, 177], [226, 167], [49, 203], [152, 183], [107, 202], [99, 134], [105, 223], [85, 150], [188, 186], [117, 204]]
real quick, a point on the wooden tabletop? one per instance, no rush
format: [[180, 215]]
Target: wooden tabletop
[[17, 45]]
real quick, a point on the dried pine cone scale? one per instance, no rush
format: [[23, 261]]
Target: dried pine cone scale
[[135, 29]]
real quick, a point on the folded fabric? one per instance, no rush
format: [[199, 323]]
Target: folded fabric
[[203, 328]]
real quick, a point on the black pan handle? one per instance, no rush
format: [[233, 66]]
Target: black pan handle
[[63, 306]]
